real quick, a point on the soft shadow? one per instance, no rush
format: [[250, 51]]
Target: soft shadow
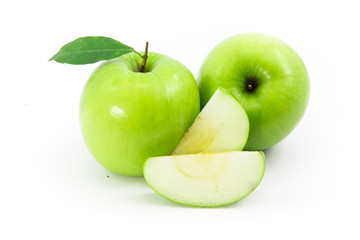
[[127, 180], [155, 199], [123, 178], [272, 156]]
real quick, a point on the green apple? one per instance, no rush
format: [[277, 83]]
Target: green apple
[[221, 126], [266, 76], [127, 116], [205, 179]]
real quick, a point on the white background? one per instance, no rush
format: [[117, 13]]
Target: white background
[[52, 188]]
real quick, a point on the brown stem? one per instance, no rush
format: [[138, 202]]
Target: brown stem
[[142, 69]]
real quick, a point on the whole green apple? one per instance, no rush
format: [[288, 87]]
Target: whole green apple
[[127, 116], [266, 76]]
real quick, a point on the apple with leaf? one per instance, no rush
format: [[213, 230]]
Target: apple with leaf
[[140, 114]]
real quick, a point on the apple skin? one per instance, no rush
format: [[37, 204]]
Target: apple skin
[[127, 116], [279, 92]]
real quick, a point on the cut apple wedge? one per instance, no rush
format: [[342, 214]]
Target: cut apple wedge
[[205, 179], [221, 126]]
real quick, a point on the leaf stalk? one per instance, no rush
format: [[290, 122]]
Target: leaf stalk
[[143, 65]]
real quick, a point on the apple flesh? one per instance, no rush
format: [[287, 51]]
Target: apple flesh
[[221, 126], [127, 116], [266, 76], [205, 179]]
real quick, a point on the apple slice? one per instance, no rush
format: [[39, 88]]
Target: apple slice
[[221, 126], [205, 179]]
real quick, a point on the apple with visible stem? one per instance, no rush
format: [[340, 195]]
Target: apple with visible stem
[[205, 179], [266, 76], [133, 108], [221, 126]]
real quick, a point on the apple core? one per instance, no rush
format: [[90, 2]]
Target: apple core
[[207, 166]]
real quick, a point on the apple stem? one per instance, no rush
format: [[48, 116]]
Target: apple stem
[[142, 69]]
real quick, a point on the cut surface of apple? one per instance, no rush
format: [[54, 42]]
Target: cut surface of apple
[[221, 126], [205, 179]]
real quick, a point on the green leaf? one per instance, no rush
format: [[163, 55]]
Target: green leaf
[[87, 50]]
